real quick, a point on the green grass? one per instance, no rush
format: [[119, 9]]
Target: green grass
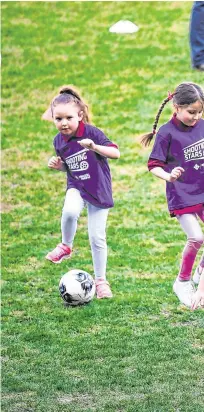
[[141, 351]]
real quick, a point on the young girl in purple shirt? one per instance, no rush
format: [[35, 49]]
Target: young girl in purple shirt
[[178, 157], [82, 151]]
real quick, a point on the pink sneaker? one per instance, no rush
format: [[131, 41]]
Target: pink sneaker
[[103, 289], [60, 253]]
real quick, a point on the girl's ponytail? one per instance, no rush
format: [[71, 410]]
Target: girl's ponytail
[[185, 94], [70, 90], [147, 138]]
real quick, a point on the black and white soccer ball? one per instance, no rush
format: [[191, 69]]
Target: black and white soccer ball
[[77, 287]]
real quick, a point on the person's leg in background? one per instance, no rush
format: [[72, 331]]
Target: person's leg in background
[[197, 35]]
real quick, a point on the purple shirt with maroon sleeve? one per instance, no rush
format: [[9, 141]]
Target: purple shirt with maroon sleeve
[[179, 145], [87, 170]]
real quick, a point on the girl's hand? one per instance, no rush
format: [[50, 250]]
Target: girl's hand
[[198, 300], [55, 162], [87, 143], [176, 173]]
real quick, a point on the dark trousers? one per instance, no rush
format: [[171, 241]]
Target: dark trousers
[[197, 34]]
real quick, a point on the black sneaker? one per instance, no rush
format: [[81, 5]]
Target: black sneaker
[[199, 67]]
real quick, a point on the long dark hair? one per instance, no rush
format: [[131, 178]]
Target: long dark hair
[[184, 95]]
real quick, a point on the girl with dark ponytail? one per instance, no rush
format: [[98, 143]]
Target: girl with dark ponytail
[[178, 158], [82, 151], [68, 94]]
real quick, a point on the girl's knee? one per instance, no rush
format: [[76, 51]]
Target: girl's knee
[[196, 241], [200, 239], [98, 242], [70, 214]]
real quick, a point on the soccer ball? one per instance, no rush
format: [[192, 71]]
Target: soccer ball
[[77, 287]]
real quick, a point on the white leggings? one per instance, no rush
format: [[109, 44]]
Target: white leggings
[[97, 218], [195, 239]]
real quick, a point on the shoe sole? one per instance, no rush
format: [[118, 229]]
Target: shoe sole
[[104, 297], [59, 261]]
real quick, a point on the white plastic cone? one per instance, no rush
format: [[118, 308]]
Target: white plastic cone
[[124, 26]]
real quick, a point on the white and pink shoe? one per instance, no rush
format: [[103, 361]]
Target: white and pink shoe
[[103, 289], [60, 253], [185, 291]]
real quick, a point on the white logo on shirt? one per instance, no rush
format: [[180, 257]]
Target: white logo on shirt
[[195, 151], [197, 167], [85, 177], [77, 161]]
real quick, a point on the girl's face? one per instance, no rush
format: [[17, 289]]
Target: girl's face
[[189, 115], [67, 117]]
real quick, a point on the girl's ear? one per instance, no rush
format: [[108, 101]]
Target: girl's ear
[[81, 115], [176, 107]]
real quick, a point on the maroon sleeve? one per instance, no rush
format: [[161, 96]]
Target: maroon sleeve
[[155, 163], [113, 145]]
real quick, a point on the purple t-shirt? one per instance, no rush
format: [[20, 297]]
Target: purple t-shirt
[[180, 145], [87, 170]]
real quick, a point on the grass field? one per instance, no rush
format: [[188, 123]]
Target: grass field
[[141, 351]]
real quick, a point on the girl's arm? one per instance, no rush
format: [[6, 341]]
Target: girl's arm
[[106, 151], [55, 162], [199, 295], [169, 177]]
